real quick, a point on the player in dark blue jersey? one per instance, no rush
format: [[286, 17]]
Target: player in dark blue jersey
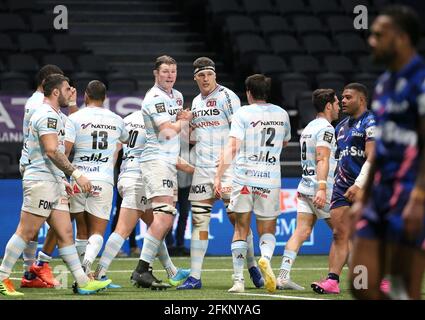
[[390, 232], [355, 145]]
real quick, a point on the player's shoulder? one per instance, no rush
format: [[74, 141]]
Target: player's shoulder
[[369, 118], [225, 92], [134, 115], [154, 95], [342, 123], [177, 94]]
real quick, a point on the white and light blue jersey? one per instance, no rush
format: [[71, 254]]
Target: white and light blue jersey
[[35, 101], [130, 166], [262, 129], [95, 133], [318, 133], [212, 116], [45, 120], [159, 107]]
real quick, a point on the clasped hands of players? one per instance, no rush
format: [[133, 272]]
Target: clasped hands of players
[[184, 114]]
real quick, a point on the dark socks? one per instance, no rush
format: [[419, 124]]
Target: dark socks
[[333, 276]]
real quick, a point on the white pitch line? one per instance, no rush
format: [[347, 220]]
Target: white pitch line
[[278, 296]]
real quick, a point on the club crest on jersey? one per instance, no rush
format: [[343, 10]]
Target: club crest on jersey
[[179, 102], [52, 123], [160, 107], [211, 103]]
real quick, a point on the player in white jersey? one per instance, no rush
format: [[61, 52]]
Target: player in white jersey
[[258, 133], [163, 116], [212, 111], [94, 132], [318, 145], [135, 205], [37, 274], [45, 189]]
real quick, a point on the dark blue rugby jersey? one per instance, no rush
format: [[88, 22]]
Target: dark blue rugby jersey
[[398, 103], [352, 135]]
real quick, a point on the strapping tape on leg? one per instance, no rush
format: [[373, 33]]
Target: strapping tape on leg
[[199, 207], [164, 208], [201, 216]]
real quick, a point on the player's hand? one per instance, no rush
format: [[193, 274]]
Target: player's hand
[[319, 201], [413, 217], [73, 98], [351, 193], [84, 184], [217, 187], [68, 188], [185, 115]]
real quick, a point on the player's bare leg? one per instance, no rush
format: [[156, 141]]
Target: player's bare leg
[[367, 269], [338, 254]]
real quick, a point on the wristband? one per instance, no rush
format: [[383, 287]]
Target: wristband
[[322, 184], [76, 174]]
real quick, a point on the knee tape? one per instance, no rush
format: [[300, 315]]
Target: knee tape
[[159, 207], [201, 215]]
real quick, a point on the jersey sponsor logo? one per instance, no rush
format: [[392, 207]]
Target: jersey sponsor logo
[[391, 132], [357, 134], [263, 157], [135, 125], [52, 123], [199, 188], [258, 174], [328, 136], [144, 200], [167, 183], [228, 100], [89, 169], [262, 192], [160, 107], [173, 112], [206, 113], [308, 171], [267, 123], [245, 190], [61, 133], [211, 103], [45, 205], [95, 157], [98, 126], [204, 124], [353, 151]]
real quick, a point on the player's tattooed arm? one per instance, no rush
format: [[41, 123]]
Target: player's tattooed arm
[[59, 159]]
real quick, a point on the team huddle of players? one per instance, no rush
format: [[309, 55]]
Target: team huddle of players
[[237, 152]]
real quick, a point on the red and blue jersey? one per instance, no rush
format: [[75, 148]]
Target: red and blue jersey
[[398, 105], [351, 137]]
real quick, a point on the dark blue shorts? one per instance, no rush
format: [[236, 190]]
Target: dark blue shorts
[[376, 225], [338, 199]]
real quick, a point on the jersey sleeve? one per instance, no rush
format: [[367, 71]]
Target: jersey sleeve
[[70, 132], [157, 110], [325, 137], [231, 104], [237, 128], [287, 125], [370, 126], [47, 124]]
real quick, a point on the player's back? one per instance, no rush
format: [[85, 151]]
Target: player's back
[[212, 116], [158, 107], [34, 102], [132, 150], [45, 120], [95, 132], [318, 132], [262, 128]]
